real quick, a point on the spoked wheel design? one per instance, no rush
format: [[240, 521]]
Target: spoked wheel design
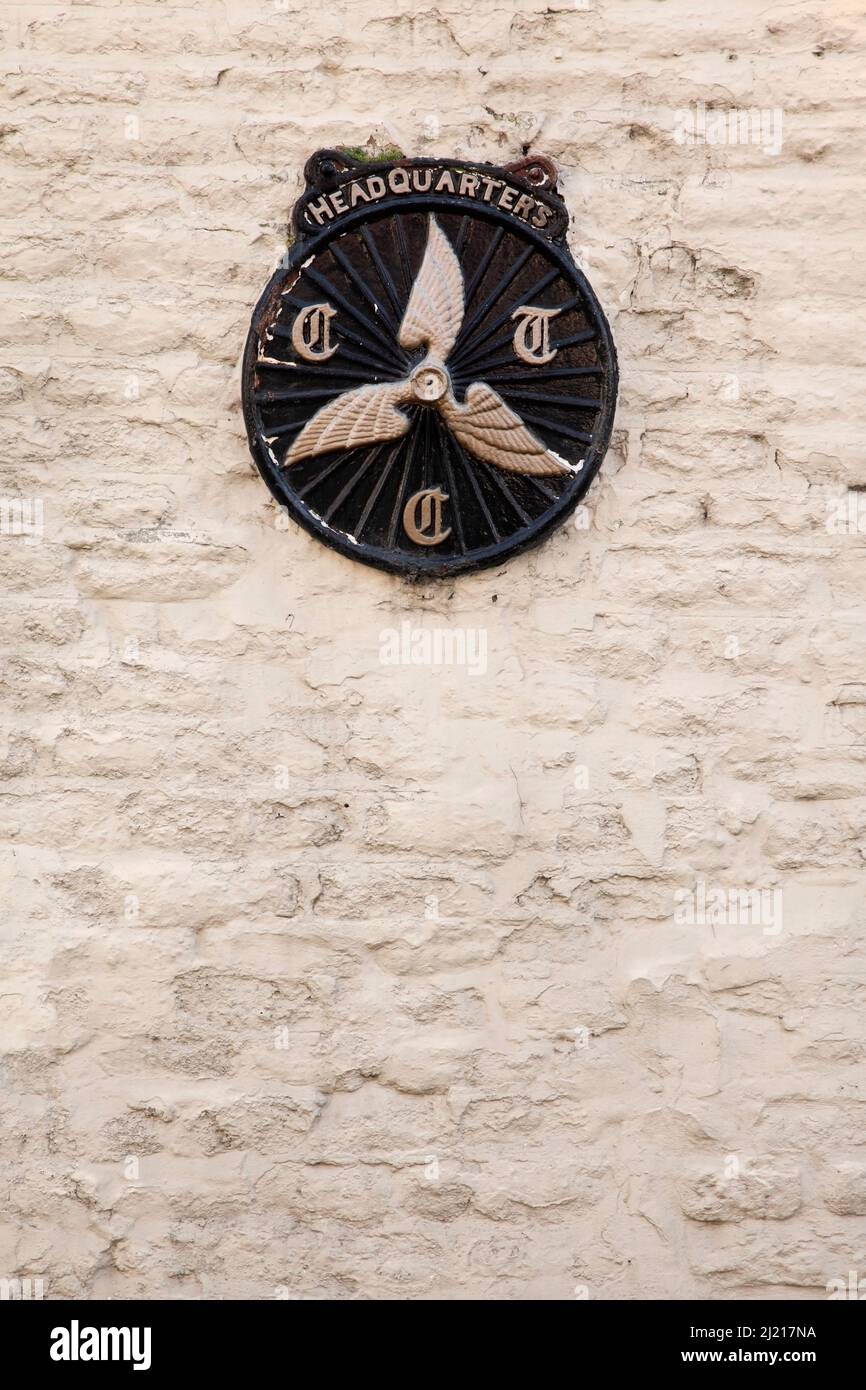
[[478, 450]]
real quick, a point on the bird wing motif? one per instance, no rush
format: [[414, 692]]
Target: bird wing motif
[[367, 415], [434, 314], [490, 430], [485, 426]]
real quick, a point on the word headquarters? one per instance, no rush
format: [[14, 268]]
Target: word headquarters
[[465, 183]]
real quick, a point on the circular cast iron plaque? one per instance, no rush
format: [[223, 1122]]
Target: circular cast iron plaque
[[429, 381]]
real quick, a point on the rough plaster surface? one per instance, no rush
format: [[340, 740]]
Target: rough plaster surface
[[328, 978]]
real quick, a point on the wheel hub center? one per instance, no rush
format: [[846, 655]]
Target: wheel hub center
[[429, 382]]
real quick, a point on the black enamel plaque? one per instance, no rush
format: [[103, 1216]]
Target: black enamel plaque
[[429, 381]]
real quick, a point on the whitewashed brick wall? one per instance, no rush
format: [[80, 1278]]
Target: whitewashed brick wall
[[328, 978]]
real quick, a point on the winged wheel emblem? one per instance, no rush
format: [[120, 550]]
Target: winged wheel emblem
[[486, 427]]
